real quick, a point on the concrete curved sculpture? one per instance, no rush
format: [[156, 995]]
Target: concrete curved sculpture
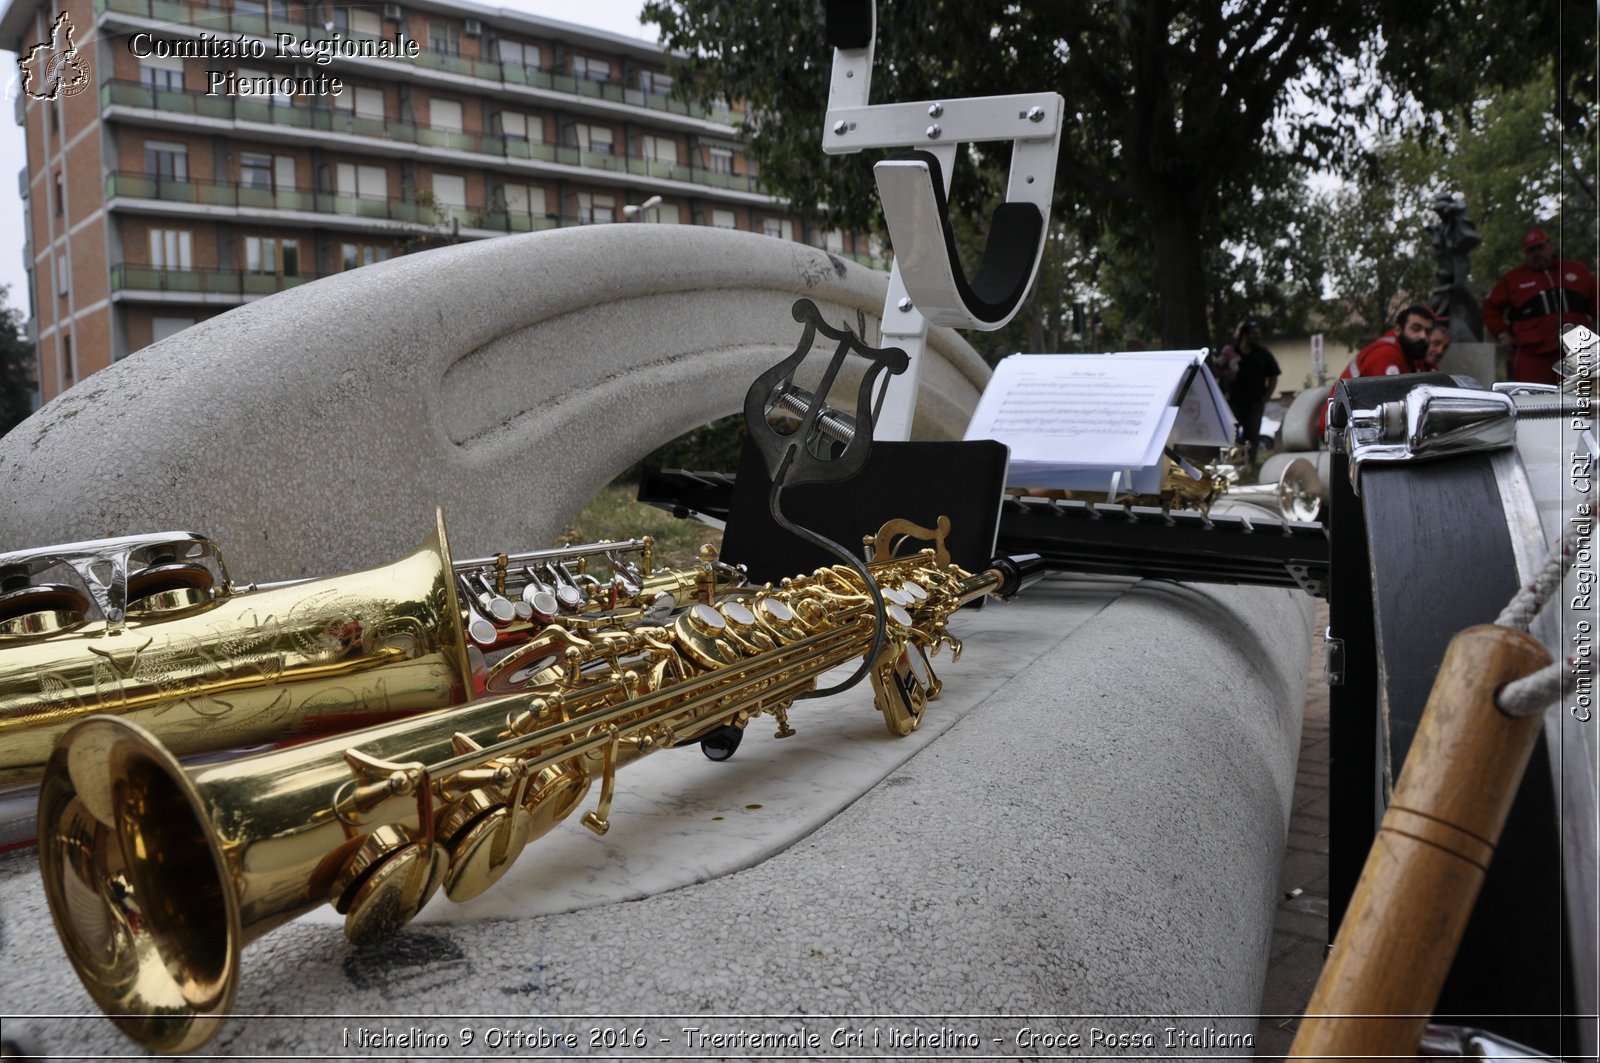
[[1091, 849], [1093, 829], [314, 432]]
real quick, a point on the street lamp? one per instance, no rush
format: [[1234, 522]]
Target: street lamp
[[635, 211]]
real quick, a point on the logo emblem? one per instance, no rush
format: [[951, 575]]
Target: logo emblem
[[55, 68]]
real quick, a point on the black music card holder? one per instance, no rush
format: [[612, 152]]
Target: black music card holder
[[919, 482]]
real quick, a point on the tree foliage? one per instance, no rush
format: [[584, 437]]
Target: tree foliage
[[16, 367], [1508, 153], [1178, 113]]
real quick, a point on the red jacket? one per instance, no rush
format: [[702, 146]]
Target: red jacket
[[1534, 304], [1381, 357]]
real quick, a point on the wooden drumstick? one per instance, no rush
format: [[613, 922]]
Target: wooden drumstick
[[1422, 875]]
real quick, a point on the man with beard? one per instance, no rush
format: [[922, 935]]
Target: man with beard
[[1403, 349]]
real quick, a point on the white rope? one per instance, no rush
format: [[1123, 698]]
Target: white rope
[[1533, 693]]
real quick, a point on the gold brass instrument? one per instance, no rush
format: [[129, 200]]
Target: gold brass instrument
[[157, 875], [151, 627]]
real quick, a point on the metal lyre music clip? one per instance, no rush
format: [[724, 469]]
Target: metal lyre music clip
[[828, 445], [928, 284]]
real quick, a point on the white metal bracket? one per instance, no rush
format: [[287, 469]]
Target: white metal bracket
[[927, 284]]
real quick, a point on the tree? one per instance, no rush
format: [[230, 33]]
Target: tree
[[16, 367], [1507, 152], [1172, 105], [1375, 240]]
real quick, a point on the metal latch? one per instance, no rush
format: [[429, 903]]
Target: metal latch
[[1431, 422], [1332, 658]]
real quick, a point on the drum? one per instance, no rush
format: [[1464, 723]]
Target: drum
[[1419, 549]]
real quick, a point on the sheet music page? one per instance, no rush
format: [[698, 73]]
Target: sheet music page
[[1060, 412], [1204, 417]]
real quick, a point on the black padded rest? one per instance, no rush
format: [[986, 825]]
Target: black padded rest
[[849, 23], [1008, 255]]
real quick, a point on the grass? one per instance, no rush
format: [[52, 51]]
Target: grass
[[616, 513]]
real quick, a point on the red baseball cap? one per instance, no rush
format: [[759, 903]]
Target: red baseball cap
[[1534, 238]]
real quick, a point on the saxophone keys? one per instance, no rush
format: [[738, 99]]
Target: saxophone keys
[[700, 631], [386, 883], [486, 847]]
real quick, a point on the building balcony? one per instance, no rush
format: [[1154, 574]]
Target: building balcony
[[215, 19], [394, 131], [411, 214], [214, 286]]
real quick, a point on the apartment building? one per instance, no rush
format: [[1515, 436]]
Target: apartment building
[[192, 155]]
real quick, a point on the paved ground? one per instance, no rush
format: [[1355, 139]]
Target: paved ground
[[1300, 934]]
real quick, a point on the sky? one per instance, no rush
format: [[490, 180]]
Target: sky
[[617, 16]]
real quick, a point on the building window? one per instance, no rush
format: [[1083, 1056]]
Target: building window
[[655, 83], [366, 182], [720, 160], [445, 115], [61, 193], [362, 20], [166, 161], [520, 126], [586, 69], [363, 255], [524, 200], [161, 75], [364, 101], [61, 274], [515, 53], [69, 361], [449, 190], [782, 228], [266, 172], [667, 213], [724, 219], [595, 139], [279, 99], [255, 171], [264, 254], [171, 249], [658, 149], [595, 207], [446, 40], [162, 327]]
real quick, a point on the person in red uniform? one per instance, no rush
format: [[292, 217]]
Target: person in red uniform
[[1526, 311], [1403, 349]]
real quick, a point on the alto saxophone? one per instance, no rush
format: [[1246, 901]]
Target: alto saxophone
[[158, 874], [150, 627]]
